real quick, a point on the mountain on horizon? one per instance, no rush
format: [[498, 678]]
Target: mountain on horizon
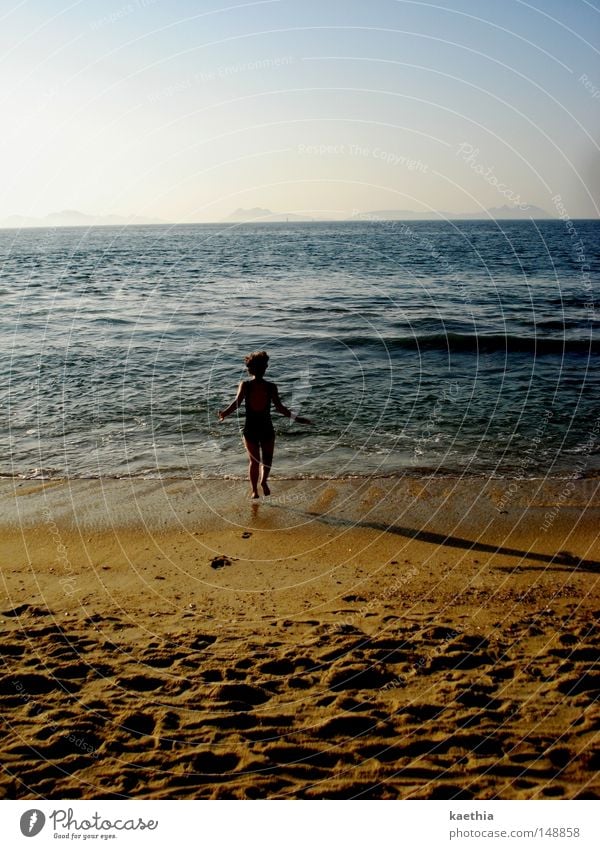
[[74, 218], [257, 213], [494, 212]]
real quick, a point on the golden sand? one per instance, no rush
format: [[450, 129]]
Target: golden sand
[[414, 638]]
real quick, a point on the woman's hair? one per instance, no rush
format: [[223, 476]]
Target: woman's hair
[[257, 363]]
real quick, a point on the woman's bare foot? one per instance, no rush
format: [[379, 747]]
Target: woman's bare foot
[[254, 494], [265, 488]]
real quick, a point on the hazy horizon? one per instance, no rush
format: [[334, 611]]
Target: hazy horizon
[[69, 218], [184, 113]]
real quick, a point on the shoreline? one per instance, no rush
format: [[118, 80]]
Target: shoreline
[[164, 502], [410, 473]]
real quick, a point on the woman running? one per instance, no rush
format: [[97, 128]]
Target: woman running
[[259, 436]]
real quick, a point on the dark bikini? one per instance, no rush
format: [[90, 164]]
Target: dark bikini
[[258, 426]]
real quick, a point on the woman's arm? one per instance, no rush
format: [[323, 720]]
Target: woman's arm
[[281, 408], [234, 404]]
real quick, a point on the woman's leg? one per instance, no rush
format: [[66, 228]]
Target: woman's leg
[[267, 460], [253, 450]]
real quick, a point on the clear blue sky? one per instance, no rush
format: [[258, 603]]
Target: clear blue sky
[[188, 110]]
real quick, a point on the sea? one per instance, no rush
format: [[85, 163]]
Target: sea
[[415, 347]]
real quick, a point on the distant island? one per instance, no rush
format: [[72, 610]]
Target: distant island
[[494, 212], [259, 214], [73, 218]]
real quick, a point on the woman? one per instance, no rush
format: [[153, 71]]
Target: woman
[[259, 436]]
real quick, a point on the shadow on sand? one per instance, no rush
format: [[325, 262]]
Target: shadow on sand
[[562, 558]]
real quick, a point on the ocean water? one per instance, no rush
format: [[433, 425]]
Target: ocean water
[[450, 347]]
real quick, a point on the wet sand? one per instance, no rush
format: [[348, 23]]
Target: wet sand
[[382, 638]]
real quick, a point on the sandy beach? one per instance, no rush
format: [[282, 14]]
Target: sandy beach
[[371, 638]]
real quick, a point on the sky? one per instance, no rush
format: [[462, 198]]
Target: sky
[[185, 111]]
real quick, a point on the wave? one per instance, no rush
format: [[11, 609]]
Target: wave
[[473, 342]]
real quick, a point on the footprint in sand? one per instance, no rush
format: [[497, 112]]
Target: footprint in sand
[[352, 677], [211, 763], [11, 650], [203, 766], [423, 712], [241, 696], [281, 666], [293, 754], [30, 609], [347, 726], [587, 683], [162, 661], [460, 660], [478, 697], [141, 683], [139, 724], [74, 742], [27, 684], [324, 501]]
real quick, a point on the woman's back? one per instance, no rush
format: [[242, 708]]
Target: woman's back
[[258, 396]]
